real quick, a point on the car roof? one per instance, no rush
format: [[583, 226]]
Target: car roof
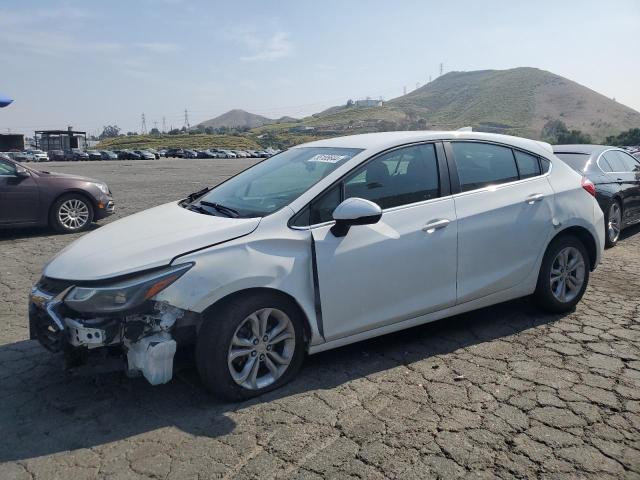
[[384, 140]]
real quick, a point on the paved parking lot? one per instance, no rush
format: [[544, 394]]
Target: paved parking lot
[[500, 393]]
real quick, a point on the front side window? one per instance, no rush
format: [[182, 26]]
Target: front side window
[[403, 176], [482, 164], [7, 168], [277, 181]]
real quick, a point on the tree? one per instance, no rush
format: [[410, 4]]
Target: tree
[[154, 131], [131, 134], [350, 103], [629, 137], [174, 131], [109, 131], [556, 132]]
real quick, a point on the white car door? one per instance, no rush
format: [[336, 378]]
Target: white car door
[[505, 211], [401, 267]]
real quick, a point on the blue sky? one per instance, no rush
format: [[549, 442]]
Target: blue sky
[[89, 63]]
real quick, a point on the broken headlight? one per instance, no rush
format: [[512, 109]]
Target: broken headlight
[[124, 294]]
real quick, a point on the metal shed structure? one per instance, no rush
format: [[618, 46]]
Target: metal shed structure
[[64, 140]]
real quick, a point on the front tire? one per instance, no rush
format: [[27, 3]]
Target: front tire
[[71, 213], [564, 275], [250, 345]]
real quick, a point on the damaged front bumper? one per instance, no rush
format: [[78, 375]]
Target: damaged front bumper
[[145, 340]]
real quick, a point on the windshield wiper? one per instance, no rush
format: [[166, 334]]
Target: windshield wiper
[[229, 212], [199, 209], [192, 196]]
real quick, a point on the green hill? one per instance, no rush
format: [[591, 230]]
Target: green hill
[[241, 119], [518, 101]]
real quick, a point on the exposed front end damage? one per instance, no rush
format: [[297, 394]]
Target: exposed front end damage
[[142, 341]]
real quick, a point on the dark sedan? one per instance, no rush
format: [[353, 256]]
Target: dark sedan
[[616, 176], [68, 203]]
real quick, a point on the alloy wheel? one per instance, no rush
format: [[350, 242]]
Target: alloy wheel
[[261, 349], [615, 220], [567, 274], [73, 214]]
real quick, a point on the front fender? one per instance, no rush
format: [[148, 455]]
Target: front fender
[[282, 264]]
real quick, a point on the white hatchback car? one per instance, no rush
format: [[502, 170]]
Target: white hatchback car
[[325, 244]]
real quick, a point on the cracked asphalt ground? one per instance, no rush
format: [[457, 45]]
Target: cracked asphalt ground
[[505, 392]]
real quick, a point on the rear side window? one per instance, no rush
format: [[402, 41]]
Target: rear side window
[[482, 164], [611, 162], [630, 163], [528, 165]]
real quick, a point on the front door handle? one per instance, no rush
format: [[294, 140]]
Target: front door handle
[[435, 225], [536, 197]]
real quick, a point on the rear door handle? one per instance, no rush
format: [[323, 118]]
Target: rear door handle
[[435, 225], [536, 197]]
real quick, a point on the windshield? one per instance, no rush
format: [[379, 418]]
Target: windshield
[[577, 161], [277, 181]]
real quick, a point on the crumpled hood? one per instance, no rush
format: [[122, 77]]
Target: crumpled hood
[[147, 239]]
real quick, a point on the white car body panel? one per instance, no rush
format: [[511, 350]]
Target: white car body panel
[[389, 271], [502, 233], [497, 262], [147, 239]]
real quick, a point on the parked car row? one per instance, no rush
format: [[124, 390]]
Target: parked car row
[[217, 153], [33, 155]]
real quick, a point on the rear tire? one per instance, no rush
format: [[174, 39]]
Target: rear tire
[[71, 213], [228, 349], [612, 224], [564, 275]]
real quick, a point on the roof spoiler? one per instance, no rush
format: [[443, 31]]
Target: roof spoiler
[[546, 146]]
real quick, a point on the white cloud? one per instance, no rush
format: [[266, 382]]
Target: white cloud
[[277, 46]]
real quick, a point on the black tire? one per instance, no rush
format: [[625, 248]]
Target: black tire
[[608, 242], [543, 295], [54, 215], [214, 340]]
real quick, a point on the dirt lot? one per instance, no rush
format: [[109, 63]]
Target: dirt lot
[[499, 393]]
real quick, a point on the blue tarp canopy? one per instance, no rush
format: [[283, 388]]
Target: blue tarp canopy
[[4, 100]]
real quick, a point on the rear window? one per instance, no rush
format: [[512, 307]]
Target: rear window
[[577, 161]]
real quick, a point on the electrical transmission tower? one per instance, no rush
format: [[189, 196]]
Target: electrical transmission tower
[[186, 119], [404, 90], [441, 68], [143, 129], [164, 125]]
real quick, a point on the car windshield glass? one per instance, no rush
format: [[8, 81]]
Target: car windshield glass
[[277, 181], [577, 161]]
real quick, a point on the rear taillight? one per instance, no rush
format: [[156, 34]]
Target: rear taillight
[[588, 186]]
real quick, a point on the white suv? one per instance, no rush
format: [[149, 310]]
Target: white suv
[[325, 244]]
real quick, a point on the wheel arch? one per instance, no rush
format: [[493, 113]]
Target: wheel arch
[[272, 291], [586, 238]]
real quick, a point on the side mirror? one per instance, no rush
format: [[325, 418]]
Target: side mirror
[[354, 211], [21, 172]]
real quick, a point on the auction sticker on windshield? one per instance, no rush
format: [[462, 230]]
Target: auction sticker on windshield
[[327, 158]]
